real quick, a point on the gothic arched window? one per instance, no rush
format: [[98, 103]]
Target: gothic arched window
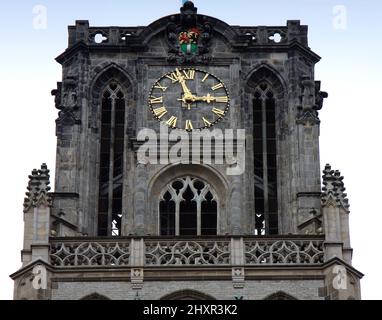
[[265, 166], [280, 296], [95, 296], [188, 206], [111, 161], [187, 295]]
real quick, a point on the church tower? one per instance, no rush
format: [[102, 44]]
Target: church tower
[[187, 168]]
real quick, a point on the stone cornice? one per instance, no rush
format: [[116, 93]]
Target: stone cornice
[[29, 267]]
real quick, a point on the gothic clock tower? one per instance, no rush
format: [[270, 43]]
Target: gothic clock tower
[[147, 203]]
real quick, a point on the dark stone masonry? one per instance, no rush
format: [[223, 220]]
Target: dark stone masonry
[[117, 228]]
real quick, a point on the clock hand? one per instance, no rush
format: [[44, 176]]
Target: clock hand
[[187, 99], [208, 98], [191, 98], [182, 82]]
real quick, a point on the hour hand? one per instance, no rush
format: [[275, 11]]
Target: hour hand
[[208, 98]]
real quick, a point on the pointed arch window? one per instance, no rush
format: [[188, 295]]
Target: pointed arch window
[[265, 160], [188, 206], [187, 295], [111, 161], [280, 296], [95, 296]]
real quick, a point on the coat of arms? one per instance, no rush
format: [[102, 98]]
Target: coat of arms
[[189, 39]]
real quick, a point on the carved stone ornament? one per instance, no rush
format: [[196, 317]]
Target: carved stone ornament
[[137, 278], [320, 96], [66, 101], [38, 189], [185, 253], [238, 277], [334, 189], [311, 102], [188, 38]]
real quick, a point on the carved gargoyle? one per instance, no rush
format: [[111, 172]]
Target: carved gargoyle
[[66, 101], [320, 96], [311, 102]]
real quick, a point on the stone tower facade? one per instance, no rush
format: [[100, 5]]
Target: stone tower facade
[[120, 226]]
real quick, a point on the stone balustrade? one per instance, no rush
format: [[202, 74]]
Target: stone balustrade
[[209, 251]]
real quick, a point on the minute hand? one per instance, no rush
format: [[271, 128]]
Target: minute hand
[[182, 82]]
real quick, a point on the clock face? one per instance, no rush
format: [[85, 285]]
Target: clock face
[[189, 99]]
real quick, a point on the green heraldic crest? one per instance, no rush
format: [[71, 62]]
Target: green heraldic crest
[[188, 41]]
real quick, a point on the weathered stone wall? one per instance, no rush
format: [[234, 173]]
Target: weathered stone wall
[[221, 290], [242, 57], [241, 71]]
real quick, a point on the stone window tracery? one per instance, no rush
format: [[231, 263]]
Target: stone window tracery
[[111, 161], [265, 160], [188, 206]]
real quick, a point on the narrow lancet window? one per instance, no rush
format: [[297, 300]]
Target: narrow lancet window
[[111, 161], [265, 166]]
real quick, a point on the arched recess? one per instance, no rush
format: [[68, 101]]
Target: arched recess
[[95, 296], [221, 28], [109, 73], [265, 100], [187, 295], [173, 172], [265, 72], [280, 295], [111, 115], [188, 206]]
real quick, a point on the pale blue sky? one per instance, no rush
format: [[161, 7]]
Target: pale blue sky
[[350, 71]]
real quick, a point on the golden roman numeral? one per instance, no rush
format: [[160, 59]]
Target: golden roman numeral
[[205, 77], [154, 100], [159, 86], [160, 112], [189, 74], [173, 77], [218, 112], [221, 99], [172, 122], [189, 125], [218, 86], [206, 122]]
